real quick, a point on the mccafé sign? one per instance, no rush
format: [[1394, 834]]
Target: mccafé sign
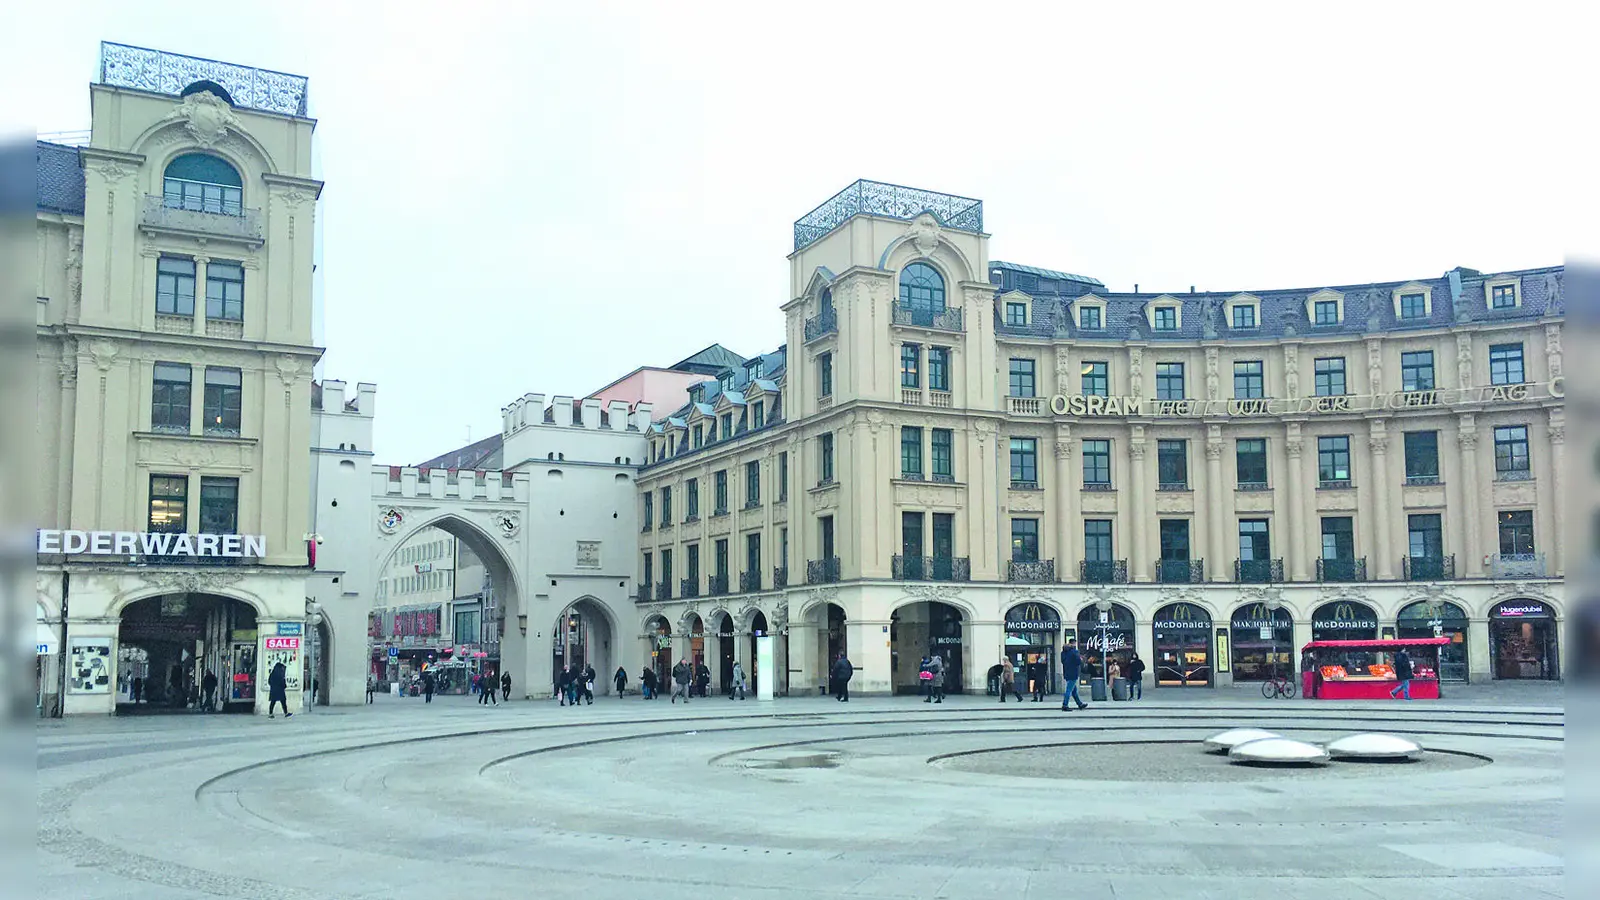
[[149, 543], [1089, 407]]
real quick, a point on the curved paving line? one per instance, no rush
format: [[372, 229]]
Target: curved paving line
[[944, 756]]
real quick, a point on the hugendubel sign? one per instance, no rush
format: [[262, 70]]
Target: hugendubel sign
[[148, 543]]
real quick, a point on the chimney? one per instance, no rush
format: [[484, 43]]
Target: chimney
[[1136, 287]]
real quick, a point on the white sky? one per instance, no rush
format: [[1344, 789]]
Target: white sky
[[543, 196]]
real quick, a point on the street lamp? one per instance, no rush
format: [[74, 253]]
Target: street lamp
[[1271, 630], [1104, 605]]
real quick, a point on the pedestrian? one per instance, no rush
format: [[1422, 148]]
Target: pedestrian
[[372, 686], [647, 683], [278, 691], [1039, 676], [925, 679], [738, 682], [681, 674], [486, 691], [427, 686], [505, 686], [208, 684], [1113, 672], [1402, 672], [563, 685], [621, 681], [843, 671], [1135, 676], [138, 689], [702, 679], [1071, 669], [936, 666], [1008, 680], [588, 684]]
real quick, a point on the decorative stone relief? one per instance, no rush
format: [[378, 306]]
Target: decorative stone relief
[[1213, 380], [1374, 367], [1174, 502], [1508, 591], [1552, 349], [875, 420], [509, 523], [288, 368], [1514, 493], [1467, 432], [1335, 592], [390, 519], [206, 117], [112, 172], [936, 593], [1063, 449], [1024, 595], [924, 233], [191, 582], [1063, 370], [983, 428], [1026, 501], [104, 354], [1136, 371], [1291, 369], [1463, 359]]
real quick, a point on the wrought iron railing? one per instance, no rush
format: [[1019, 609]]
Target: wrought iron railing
[[753, 503], [1024, 485], [749, 582], [1033, 571], [663, 590], [1180, 571], [1172, 486], [1098, 486], [688, 588], [246, 225], [1254, 486], [944, 478], [780, 577], [1513, 475], [1334, 484], [821, 324], [1342, 569], [642, 594], [1421, 480], [161, 72], [1517, 565], [1429, 568], [892, 201], [822, 571], [1257, 571], [946, 319], [717, 585], [931, 568], [1103, 571]]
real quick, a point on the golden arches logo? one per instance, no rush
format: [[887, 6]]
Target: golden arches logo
[[1344, 612], [1259, 613], [1033, 612], [1182, 612]]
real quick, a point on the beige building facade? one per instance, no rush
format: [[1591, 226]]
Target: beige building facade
[[976, 458], [175, 358]]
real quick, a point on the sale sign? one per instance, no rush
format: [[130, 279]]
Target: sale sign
[[283, 643]]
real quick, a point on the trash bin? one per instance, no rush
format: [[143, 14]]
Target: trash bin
[[994, 685], [1120, 689], [1097, 689]]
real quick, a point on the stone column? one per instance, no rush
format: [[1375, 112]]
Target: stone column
[[1067, 518], [1383, 493], [869, 652], [803, 677], [985, 643], [1554, 538], [1294, 494], [1470, 561], [1137, 536], [1218, 499]]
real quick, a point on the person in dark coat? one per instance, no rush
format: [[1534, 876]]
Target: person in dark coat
[[1071, 670], [564, 685], [843, 671], [278, 691], [427, 686], [1402, 672], [620, 680], [648, 680], [208, 685], [505, 686], [138, 689], [702, 679], [486, 690], [588, 684], [682, 673], [1135, 675], [1039, 675]]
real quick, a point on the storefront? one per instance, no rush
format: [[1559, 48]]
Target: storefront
[[1365, 669], [1522, 640], [1033, 633], [1438, 619], [1344, 620], [659, 635], [1263, 642], [1099, 638], [1182, 633], [944, 627]]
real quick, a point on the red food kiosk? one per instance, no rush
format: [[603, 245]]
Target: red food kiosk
[[1364, 670]]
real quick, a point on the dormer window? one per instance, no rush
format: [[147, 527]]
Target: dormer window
[[1325, 312], [203, 183], [1503, 294], [1090, 318], [755, 370], [1413, 302], [727, 425], [1016, 313], [726, 381], [1244, 317], [1165, 318]]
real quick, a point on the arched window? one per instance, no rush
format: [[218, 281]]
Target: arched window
[[827, 302], [203, 183], [922, 288]]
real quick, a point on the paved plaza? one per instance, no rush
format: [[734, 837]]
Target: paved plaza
[[802, 798]]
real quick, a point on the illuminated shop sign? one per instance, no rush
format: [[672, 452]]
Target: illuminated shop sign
[[1345, 617], [1092, 406], [149, 543], [1032, 617], [1522, 610]]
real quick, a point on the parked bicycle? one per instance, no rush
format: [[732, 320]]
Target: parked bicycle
[[1278, 686]]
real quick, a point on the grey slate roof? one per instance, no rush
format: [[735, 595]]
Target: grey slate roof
[[709, 361], [486, 454], [59, 174], [1047, 274]]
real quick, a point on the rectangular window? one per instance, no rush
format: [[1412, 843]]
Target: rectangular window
[[943, 458], [1505, 364], [1516, 532], [649, 509], [1425, 536], [1169, 380], [691, 500], [825, 535], [783, 477], [1511, 452], [1024, 540], [1338, 538], [1166, 318], [1249, 382], [1175, 537], [1096, 463], [692, 564], [223, 401], [649, 569], [1413, 306], [1024, 462], [1244, 316], [1416, 371], [1333, 460], [911, 538], [944, 538], [825, 375], [910, 452], [752, 484], [1325, 312], [1096, 379], [1422, 456], [225, 291], [825, 457], [1503, 296], [169, 503], [939, 368], [1022, 383], [1329, 375], [201, 196], [719, 492], [169, 398], [1089, 318], [175, 286], [666, 569], [1250, 462], [219, 505], [752, 556], [727, 426], [1172, 465], [1255, 543], [758, 414], [1016, 313], [719, 559], [910, 366], [666, 506], [1097, 540]]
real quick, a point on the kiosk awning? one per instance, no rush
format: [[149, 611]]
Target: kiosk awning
[[1385, 644]]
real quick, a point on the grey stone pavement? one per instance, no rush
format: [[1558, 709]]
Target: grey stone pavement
[[802, 798]]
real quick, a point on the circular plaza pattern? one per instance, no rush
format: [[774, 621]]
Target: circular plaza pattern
[[798, 798]]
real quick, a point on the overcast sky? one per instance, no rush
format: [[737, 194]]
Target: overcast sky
[[542, 197]]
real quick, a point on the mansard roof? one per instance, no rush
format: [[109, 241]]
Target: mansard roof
[[59, 174]]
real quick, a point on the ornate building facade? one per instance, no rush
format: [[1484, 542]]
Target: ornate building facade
[[958, 455]]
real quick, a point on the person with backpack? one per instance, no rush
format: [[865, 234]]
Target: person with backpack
[[738, 685], [682, 675], [1402, 672], [1071, 671], [648, 683], [1135, 676], [505, 686], [936, 666], [843, 671]]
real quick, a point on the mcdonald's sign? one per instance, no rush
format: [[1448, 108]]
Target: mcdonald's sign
[[1032, 617], [1182, 617], [1344, 616], [1257, 616]]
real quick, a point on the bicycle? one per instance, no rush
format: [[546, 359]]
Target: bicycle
[[1278, 686]]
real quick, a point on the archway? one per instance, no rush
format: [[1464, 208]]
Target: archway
[[758, 627], [1182, 633], [1344, 620], [658, 639], [1523, 641], [926, 628], [1263, 642], [1098, 638], [726, 635], [583, 637], [1033, 642], [1438, 618], [319, 652], [168, 645]]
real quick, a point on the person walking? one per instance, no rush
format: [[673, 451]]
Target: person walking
[[138, 689], [737, 687], [843, 671], [588, 684], [505, 686], [647, 683], [486, 690], [372, 686], [1113, 672], [1039, 678], [702, 679], [936, 666], [1135, 675], [1008, 679], [621, 681], [681, 675], [278, 691], [208, 685], [925, 679], [1402, 672], [427, 686], [1071, 670]]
